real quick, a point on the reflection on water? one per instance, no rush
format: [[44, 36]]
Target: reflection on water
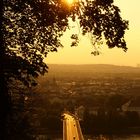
[[99, 137], [102, 137], [113, 137]]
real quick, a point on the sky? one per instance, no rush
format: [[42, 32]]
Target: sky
[[130, 10]]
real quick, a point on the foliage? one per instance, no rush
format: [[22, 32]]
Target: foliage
[[18, 120], [102, 18], [32, 29]]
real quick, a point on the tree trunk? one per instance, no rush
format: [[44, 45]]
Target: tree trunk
[[4, 106], [4, 98]]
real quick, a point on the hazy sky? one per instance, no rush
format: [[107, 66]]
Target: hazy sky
[[130, 10]]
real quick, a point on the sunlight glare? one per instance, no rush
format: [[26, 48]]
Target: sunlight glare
[[69, 1]]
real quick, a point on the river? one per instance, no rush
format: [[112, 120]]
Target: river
[[113, 137], [99, 137]]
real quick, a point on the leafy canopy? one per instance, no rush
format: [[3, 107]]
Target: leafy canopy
[[32, 28]]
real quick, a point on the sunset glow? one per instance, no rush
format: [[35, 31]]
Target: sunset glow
[[69, 2], [82, 53]]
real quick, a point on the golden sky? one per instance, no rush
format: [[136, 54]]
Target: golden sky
[[130, 10]]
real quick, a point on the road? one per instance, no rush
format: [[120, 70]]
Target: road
[[71, 128]]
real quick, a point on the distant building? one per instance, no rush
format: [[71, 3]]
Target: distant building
[[98, 110], [93, 110], [132, 105], [126, 106]]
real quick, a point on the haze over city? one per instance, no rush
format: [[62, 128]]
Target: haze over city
[[82, 53]]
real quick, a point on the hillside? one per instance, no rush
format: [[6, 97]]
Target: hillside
[[94, 68], [82, 72]]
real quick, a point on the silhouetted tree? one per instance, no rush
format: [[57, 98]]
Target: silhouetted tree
[[30, 29]]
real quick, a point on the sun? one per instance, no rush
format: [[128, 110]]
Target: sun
[[70, 1]]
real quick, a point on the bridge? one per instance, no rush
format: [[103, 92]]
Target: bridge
[[71, 127]]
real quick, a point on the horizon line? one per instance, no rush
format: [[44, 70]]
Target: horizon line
[[93, 64]]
